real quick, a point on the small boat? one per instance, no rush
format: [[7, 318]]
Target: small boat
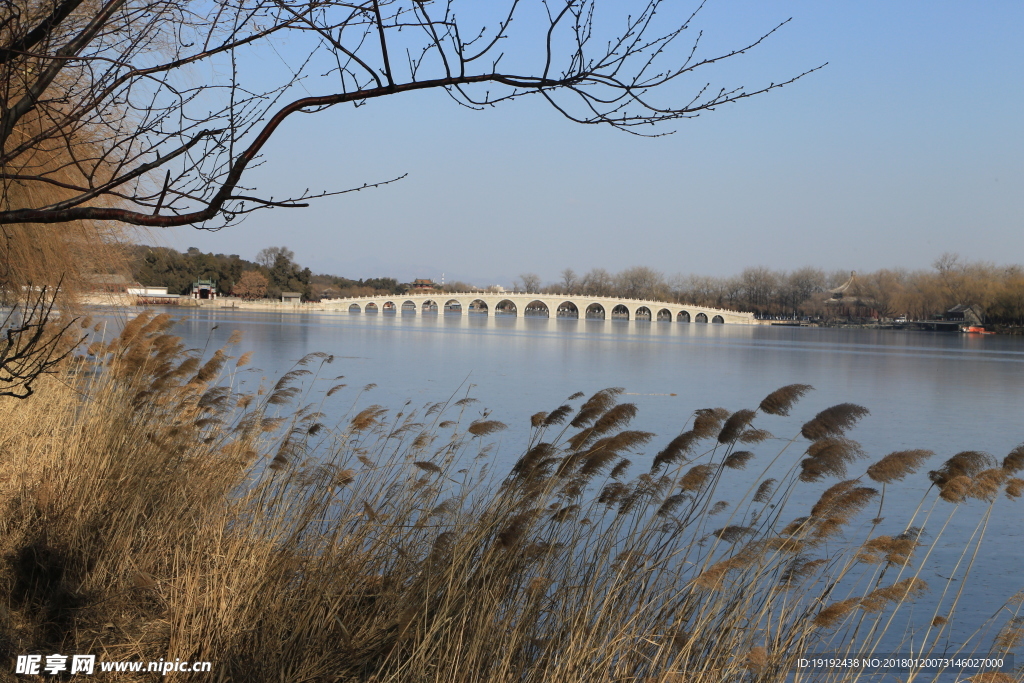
[[974, 329]]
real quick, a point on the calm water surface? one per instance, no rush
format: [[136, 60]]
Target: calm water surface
[[939, 391]]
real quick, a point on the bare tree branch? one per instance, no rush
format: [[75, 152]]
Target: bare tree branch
[[33, 343], [109, 88]]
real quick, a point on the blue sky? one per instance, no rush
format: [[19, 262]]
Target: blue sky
[[907, 145]]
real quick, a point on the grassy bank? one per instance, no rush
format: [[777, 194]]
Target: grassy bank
[[152, 510]]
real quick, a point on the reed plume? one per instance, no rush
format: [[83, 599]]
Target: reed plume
[[558, 415], [718, 508], [607, 450], [676, 450], [799, 569], [955, 490], [897, 551], [985, 485], [616, 417], [833, 421], [954, 478], [907, 589], [841, 501], [734, 426], [669, 505], [366, 418], [781, 400], [831, 616], [516, 528], [764, 491], [1014, 462], [829, 456], [1014, 488], [756, 658], [737, 460], [536, 462], [595, 406], [613, 493], [485, 427], [620, 468], [707, 422], [752, 435], [695, 477], [897, 465]]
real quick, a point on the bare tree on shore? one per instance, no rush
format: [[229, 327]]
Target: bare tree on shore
[[530, 282], [598, 282], [641, 282], [570, 281], [267, 257], [884, 294]]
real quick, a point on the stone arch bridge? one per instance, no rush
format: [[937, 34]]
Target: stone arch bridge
[[541, 305]]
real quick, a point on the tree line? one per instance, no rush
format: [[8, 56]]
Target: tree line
[[806, 292], [812, 292], [273, 271]]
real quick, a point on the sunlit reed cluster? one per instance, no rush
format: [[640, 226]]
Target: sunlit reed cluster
[[159, 502]]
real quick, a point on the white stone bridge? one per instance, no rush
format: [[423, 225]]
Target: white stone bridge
[[542, 305]]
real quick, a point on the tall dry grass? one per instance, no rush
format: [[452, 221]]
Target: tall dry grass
[[150, 510]]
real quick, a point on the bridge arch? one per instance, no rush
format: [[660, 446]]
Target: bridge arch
[[506, 307], [571, 307], [537, 308], [568, 309]]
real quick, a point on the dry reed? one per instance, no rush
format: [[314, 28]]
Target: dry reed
[[833, 421], [158, 513], [896, 466], [780, 401]]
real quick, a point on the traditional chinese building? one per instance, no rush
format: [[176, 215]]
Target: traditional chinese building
[[204, 289], [968, 315]]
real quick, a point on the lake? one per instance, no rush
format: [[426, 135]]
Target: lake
[[945, 392]]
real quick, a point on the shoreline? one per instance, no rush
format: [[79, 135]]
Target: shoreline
[[231, 303]]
